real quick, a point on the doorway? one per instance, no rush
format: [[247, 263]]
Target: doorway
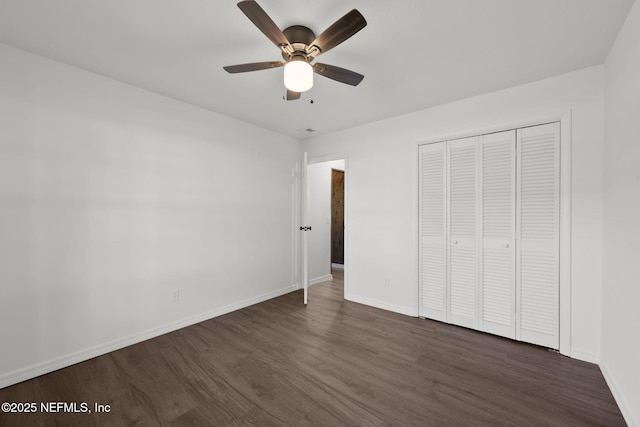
[[337, 219], [326, 207]]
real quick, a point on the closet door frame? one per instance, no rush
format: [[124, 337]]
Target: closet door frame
[[564, 118]]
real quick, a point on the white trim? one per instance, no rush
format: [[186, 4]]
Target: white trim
[[327, 158], [48, 366], [383, 305], [337, 266], [557, 116], [345, 276], [623, 404], [565, 119], [320, 279], [584, 356], [565, 234]]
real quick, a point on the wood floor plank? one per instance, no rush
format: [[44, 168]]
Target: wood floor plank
[[330, 363]]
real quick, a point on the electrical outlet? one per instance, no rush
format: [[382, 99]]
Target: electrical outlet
[[175, 295]]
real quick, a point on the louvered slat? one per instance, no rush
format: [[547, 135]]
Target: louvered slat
[[538, 289], [462, 190], [538, 186], [433, 277], [497, 287], [497, 181], [433, 200], [463, 282]]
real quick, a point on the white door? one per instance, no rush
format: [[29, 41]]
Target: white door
[[433, 191], [462, 209], [304, 228], [538, 246], [497, 230]]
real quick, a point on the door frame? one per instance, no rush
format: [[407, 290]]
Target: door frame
[[564, 117], [311, 159]]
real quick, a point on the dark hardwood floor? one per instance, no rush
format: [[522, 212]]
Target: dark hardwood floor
[[331, 363]]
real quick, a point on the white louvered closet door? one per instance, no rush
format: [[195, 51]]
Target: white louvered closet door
[[433, 188], [537, 259], [497, 230], [462, 229]]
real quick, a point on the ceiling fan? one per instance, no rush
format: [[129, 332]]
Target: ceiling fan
[[300, 46]]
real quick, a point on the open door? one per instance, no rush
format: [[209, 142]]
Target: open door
[[304, 229], [337, 217]]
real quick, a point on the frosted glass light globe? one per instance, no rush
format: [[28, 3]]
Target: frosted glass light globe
[[298, 76]]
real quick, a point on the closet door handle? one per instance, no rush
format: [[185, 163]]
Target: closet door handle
[[506, 245], [455, 242]]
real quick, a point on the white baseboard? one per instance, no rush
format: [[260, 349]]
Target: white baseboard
[[407, 311], [320, 279], [45, 367], [584, 356], [623, 404], [337, 266]]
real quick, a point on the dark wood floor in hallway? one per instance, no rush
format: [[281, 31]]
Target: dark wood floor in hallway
[[331, 363]]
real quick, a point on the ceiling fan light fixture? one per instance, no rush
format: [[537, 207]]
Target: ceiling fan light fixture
[[299, 46], [298, 75]]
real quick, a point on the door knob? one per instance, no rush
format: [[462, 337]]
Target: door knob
[[455, 242], [506, 245]]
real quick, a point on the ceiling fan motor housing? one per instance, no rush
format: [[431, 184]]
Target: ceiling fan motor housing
[[300, 37]]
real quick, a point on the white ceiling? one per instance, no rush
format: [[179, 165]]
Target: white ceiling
[[414, 54]]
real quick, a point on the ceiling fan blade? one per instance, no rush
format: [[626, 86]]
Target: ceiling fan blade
[[292, 96], [341, 75], [253, 66], [340, 31], [260, 19]]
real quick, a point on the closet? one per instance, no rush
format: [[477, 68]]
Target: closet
[[489, 233]]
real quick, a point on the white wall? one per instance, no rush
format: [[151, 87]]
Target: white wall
[[621, 265], [383, 198], [111, 198], [319, 217]]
